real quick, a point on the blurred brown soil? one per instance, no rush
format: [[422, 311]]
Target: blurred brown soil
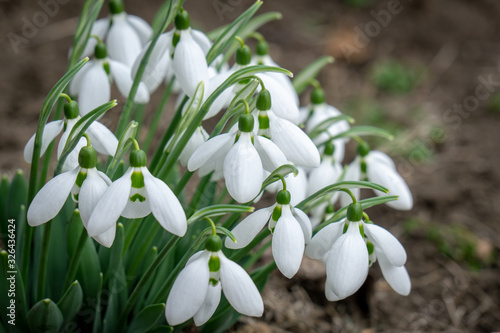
[[454, 178]]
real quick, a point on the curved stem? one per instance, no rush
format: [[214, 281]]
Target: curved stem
[[350, 194], [65, 96], [212, 225]]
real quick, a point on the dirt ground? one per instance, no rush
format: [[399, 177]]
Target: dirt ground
[[448, 152]]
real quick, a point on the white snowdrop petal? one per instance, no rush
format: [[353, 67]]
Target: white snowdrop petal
[[202, 40], [380, 157], [51, 198], [282, 101], [249, 227], [92, 189], [386, 176], [76, 82], [243, 170], [397, 277], [347, 264], [137, 209], [304, 222], [71, 161], [141, 27], [385, 242], [323, 241], [50, 131], [188, 292], [272, 157], [189, 63], [102, 139], [123, 42], [297, 186], [330, 295], [207, 309], [199, 137], [326, 174], [288, 244], [293, 142], [123, 79], [111, 205], [206, 151], [164, 204], [239, 289], [107, 238], [95, 89], [223, 99]]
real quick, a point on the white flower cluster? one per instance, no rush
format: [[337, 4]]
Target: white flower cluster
[[268, 135]]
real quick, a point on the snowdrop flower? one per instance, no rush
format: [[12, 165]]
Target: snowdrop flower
[[241, 156], [291, 230], [135, 195], [197, 290], [103, 140], [290, 139], [199, 137], [92, 83], [295, 184], [262, 57], [316, 113], [84, 184], [125, 34], [380, 169], [348, 255], [189, 63]]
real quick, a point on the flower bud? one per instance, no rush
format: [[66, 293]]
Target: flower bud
[[182, 20], [100, 51], [116, 6], [363, 149], [87, 158], [243, 55], [283, 197], [246, 123], [318, 96], [329, 149], [355, 212], [262, 48], [264, 100], [71, 110], [213, 243], [138, 158]]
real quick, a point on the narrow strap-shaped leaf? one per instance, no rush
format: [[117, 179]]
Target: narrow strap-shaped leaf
[[307, 74], [217, 210], [321, 127], [147, 318], [279, 173], [227, 36], [339, 186], [123, 145], [90, 12], [79, 129], [365, 131], [12, 291], [71, 301]]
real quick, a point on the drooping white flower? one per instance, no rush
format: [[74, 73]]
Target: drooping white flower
[[291, 230], [92, 84], [348, 253], [199, 137], [295, 184], [241, 156], [103, 140], [290, 139], [84, 184], [135, 195], [197, 290], [380, 170], [125, 34]]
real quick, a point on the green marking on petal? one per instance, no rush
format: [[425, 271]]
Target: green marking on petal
[[136, 197], [137, 179], [214, 264], [213, 281], [80, 178]]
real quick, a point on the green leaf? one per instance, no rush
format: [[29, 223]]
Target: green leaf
[[324, 125], [4, 197], [162, 329], [165, 15], [217, 210], [279, 173], [79, 129], [18, 194], [147, 318], [365, 203], [224, 231], [364, 131], [303, 79], [9, 272], [97, 324], [71, 301], [338, 186], [227, 36], [45, 317], [123, 145], [88, 16], [89, 268]]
